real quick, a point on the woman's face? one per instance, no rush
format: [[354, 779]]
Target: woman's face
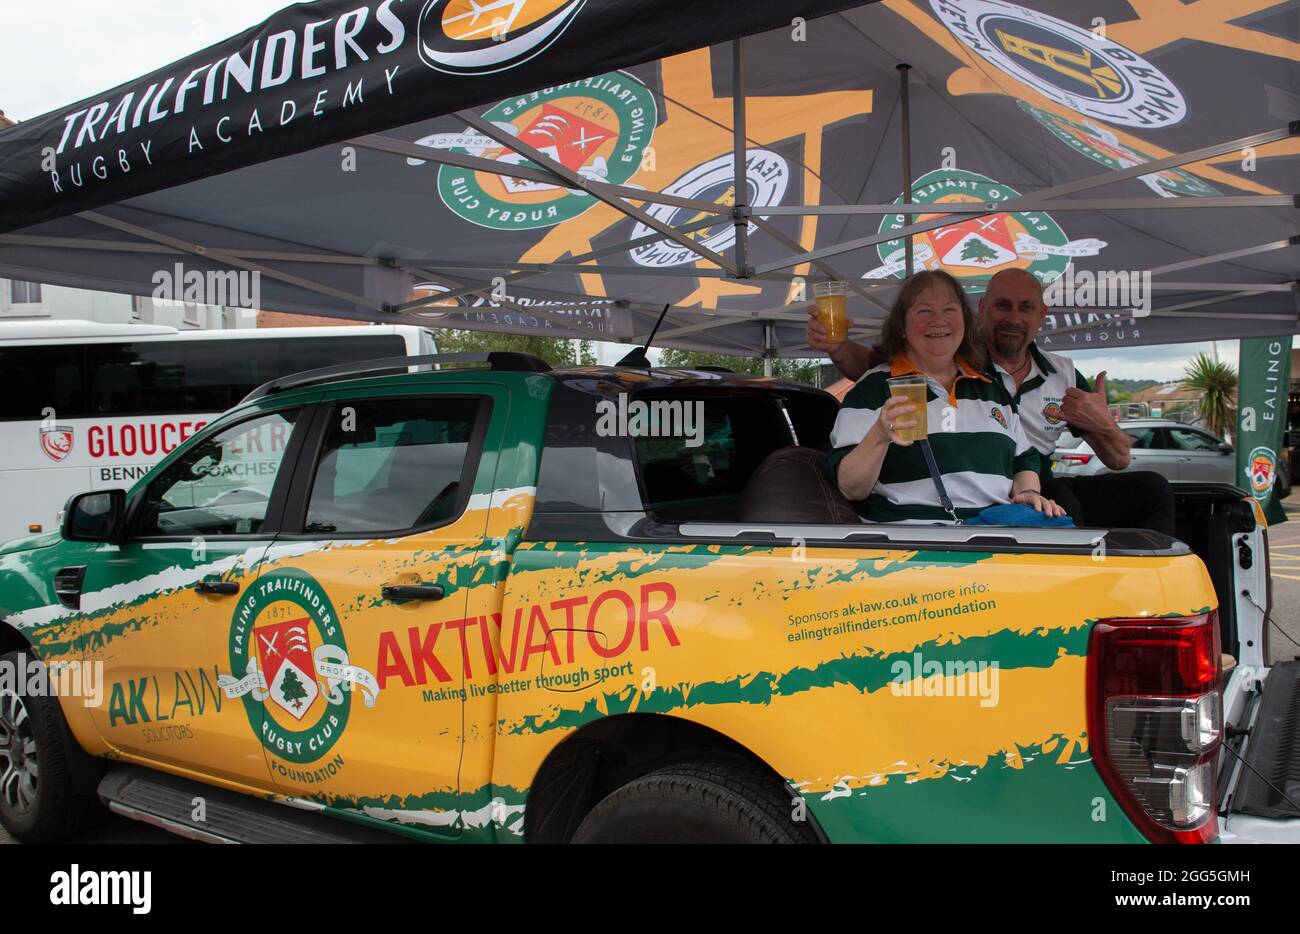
[[933, 326]]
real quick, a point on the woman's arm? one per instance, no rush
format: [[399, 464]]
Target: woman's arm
[[1024, 489], [858, 472]]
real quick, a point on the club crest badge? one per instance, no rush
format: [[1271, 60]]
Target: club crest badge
[[995, 413], [289, 663], [1261, 471], [974, 250], [56, 441], [1052, 413], [1086, 72], [482, 37]]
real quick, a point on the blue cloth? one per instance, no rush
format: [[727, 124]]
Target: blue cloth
[[1018, 514]]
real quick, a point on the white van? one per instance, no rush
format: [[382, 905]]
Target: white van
[[93, 406]]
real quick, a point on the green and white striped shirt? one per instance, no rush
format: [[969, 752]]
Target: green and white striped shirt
[[975, 434]]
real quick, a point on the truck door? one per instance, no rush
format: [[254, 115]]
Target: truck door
[[161, 607], [366, 650]]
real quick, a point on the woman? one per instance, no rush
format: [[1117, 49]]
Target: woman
[[974, 430]]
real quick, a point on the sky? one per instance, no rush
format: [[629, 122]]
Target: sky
[[52, 54]]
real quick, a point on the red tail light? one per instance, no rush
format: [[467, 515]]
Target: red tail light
[[1074, 458], [1154, 722]]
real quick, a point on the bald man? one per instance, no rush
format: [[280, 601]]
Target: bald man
[[1051, 396]]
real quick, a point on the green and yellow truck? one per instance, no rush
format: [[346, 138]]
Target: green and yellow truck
[[468, 598]]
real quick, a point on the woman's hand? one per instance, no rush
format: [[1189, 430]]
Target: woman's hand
[[1041, 503], [895, 416]]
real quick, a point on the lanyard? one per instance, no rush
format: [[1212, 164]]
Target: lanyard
[[938, 480]]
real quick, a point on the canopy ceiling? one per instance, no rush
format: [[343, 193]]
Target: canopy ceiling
[[368, 158]]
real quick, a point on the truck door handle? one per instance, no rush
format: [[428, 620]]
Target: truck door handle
[[217, 588], [412, 591]]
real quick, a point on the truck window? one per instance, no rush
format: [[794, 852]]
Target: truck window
[[682, 479], [222, 485], [393, 465]]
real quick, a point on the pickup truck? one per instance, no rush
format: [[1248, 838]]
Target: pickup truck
[[468, 598]]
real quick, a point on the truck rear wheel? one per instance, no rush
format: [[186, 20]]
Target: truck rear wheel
[[698, 802], [38, 800]]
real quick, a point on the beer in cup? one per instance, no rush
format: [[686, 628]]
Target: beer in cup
[[830, 298], [912, 388]]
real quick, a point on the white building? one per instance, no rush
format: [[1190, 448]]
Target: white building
[[36, 301]]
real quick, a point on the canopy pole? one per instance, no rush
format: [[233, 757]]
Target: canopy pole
[[740, 209], [905, 111], [769, 346]]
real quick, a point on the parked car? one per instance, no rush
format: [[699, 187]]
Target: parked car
[[1182, 453], [477, 605]]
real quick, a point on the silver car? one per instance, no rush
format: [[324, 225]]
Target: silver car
[[1179, 452]]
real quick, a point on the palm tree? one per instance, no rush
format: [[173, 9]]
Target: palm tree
[[1217, 384]]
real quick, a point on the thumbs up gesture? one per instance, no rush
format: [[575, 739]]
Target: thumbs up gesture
[[1087, 412]]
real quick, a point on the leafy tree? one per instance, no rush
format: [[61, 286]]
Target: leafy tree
[[556, 351], [294, 691], [977, 251], [802, 371], [1217, 384]]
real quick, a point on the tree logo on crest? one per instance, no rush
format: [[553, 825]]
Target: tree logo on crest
[[296, 682], [975, 249]]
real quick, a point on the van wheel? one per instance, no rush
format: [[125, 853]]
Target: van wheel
[[38, 803], [697, 802]]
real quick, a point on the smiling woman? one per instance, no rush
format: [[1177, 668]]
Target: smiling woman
[[968, 422]]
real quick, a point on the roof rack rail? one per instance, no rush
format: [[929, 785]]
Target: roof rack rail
[[496, 360]]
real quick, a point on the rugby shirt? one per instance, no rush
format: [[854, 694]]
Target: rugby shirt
[[983, 448], [1039, 399]]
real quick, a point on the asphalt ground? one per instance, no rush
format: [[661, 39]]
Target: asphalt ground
[[1284, 643]]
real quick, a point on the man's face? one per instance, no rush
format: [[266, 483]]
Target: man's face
[[1011, 314]]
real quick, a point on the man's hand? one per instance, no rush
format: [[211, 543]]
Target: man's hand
[[1087, 412], [850, 358], [815, 332]]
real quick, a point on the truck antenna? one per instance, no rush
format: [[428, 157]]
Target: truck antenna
[[637, 357]]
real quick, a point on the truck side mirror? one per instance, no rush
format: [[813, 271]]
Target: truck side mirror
[[94, 517]]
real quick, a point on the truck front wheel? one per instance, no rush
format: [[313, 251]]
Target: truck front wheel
[[38, 800], [699, 802]]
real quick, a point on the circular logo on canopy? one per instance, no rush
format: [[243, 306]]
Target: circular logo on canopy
[[766, 174], [480, 37], [598, 128], [1261, 471], [1103, 146], [1072, 66], [974, 250], [289, 664]]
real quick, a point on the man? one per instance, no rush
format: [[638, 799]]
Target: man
[[1051, 396]]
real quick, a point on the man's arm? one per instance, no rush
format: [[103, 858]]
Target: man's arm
[[850, 358], [1087, 414]]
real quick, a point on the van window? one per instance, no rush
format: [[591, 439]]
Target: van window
[[393, 465], [223, 484]]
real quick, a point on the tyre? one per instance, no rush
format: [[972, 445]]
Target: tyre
[[38, 799], [699, 802]]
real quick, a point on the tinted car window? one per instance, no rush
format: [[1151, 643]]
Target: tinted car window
[[1144, 437], [390, 465], [1185, 439], [223, 484]]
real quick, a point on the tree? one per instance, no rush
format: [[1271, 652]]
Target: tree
[[802, 371], [557, 351], [977, 251], [1217, 384], [294, 692]]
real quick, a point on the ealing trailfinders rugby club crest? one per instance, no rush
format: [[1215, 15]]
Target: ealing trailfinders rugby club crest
[[974, 250], [297, 684], [1261, 471], [1103, 146], [598, 128]]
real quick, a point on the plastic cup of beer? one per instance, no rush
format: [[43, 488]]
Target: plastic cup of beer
[[912, 388], [830, 298]]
